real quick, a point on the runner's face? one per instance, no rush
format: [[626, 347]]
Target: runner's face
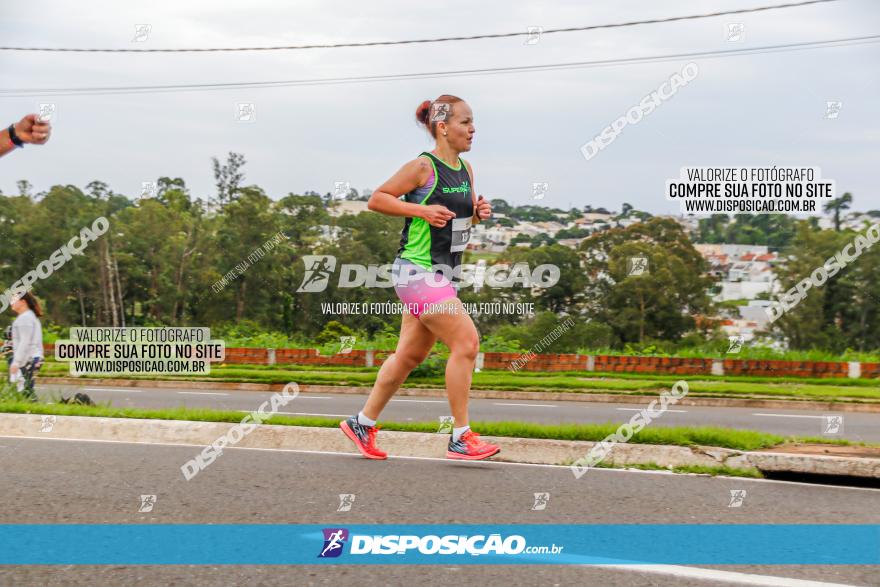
[[18, 305], [460, 128]]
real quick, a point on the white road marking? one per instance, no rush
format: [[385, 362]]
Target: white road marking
[[201, 393], [113, 389], [640, 409], [599, 470], [788, 416], [421, 401], [526, 405], [716, 575], [669, 570]]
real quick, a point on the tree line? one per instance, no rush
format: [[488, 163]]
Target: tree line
[[163, 257]]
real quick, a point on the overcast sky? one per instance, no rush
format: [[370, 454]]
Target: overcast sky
[[761, 110]]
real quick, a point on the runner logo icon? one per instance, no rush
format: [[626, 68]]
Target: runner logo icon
[[334, 540], [318, 271]]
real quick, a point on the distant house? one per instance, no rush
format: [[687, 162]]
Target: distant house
[[549, 227], [742, 271], [329, 233], [342, 207], [690, 224], [571, 243], [494, 239], [628, 221]]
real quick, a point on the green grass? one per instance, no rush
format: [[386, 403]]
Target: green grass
[[843, 389], [53, 368], [387, 342], [680, 436], [672, 378], [714, 471], [746, 353]]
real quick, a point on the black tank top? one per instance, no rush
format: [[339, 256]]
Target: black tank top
[[428, 245]]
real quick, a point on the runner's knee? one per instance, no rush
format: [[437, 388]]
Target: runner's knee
[[467, 346], [409, 360]]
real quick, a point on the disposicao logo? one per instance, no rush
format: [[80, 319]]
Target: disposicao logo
[[334, 540]]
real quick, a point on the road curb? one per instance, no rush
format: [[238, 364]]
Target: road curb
[[418, 444], [479, 394]]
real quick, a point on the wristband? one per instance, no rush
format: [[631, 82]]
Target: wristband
[[14, 137]]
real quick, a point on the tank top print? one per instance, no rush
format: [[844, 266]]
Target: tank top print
[[427, 245]]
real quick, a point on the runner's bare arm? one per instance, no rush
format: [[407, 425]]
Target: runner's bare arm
[[482, 208], [6, 144], [412, 175], [385, 199]]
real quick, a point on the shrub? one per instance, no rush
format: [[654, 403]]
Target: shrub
[[433, 366], [332, 332]]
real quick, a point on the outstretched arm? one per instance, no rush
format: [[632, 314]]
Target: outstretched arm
[[29, 129]]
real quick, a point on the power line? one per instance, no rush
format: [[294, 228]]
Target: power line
[[434, 40], [109, 90]]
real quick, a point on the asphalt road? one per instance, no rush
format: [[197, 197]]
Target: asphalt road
[[856, 426], [62, 481]]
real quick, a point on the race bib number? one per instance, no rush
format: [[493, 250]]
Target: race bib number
[[461, 234]]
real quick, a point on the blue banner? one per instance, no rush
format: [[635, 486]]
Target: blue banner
[[278, 544]]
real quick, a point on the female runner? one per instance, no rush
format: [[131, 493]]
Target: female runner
[[434, 193]]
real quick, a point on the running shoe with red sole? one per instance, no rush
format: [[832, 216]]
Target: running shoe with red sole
[[470, 448], [363, 437]]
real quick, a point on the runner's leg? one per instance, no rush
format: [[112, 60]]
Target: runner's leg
[[453, 326], [416, 341]]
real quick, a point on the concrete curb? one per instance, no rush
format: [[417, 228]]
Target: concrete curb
[[415, 444], [829, 406]]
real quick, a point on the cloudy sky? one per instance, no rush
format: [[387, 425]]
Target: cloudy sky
[[759, 109]]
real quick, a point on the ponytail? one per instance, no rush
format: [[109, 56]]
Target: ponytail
[[429, 113], [32, 303]]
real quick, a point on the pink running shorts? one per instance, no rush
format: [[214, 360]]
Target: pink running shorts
[[418, 287]]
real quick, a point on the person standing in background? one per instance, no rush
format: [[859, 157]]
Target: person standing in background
[[27, 342], [6, 349]]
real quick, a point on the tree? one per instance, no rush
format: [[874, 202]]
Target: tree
[[572, 233], [844, 312], [771, 230], [166, 184], [31, 231], [228, 177], [24, 188], [246, 224], [541, 240], [500, 206], [567, 293], [645, 281], [837, 206]]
